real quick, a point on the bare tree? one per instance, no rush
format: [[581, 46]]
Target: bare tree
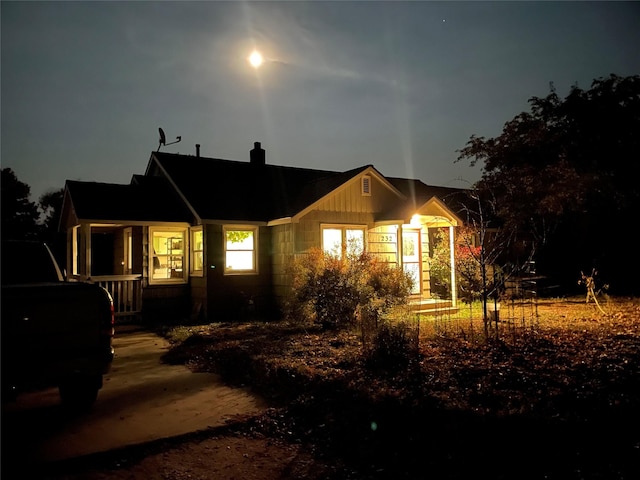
[[493, 247]]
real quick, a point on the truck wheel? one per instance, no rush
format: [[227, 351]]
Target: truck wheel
[[79, 393]]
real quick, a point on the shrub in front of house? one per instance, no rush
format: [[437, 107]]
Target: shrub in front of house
[[332, 291], [321, 291], [394, 345]]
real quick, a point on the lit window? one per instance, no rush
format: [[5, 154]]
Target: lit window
[[337, 241], [197, 251], [240, 250], [332, 241], [167, 255]]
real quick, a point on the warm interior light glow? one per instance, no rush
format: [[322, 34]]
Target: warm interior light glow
[[255, 59], [415, 220]]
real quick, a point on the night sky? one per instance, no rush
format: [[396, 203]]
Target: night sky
[[400, 85]]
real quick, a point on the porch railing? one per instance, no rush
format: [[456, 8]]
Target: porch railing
[[126, 291]]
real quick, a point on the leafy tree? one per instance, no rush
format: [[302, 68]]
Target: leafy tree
[[468, 271], [51, 207], [564, 175], [19, 215]]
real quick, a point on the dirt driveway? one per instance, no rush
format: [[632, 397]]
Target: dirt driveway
[[142, 400]]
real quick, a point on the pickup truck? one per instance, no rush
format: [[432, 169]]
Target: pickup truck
[[54, 333]]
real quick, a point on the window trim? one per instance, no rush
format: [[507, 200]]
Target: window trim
[[255, 230], [192, 252], [185, 248], [343, 228]]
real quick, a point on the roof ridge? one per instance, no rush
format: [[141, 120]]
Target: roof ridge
[[269, 165]]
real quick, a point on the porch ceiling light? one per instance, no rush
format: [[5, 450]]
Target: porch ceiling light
[[415, 220]]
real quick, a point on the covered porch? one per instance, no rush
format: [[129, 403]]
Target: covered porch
[[106, 254], [142, 266], [110, 232], [423, 243]]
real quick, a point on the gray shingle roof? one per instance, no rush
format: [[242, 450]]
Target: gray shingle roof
[[144, 199], [418, 193], [232, 190]]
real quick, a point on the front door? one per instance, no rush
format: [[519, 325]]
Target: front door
[[411, 258]]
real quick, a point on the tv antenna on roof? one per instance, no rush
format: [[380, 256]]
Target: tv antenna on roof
[[163, 139]]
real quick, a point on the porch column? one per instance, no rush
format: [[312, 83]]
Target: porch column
[[452, 260], [146, 273], [85, 248]]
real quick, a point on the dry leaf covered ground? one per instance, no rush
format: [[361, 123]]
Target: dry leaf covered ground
[[554, 396]]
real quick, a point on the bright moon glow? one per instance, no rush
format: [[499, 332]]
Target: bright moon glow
[[255, 59]]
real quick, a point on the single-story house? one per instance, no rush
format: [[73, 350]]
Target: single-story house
[[211, 238]]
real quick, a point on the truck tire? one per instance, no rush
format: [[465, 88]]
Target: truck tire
[[79, 393]]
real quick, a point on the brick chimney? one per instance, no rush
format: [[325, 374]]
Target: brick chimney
[[256, 155]]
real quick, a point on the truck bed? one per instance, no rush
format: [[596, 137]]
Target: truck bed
[[54, 330]]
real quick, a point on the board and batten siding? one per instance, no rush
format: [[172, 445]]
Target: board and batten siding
[[351, 200], [346, 206]]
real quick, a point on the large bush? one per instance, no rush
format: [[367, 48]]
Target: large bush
[[394, 345], [332, 291]]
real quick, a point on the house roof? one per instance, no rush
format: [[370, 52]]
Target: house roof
[[231, 190], [419, 193], [226, 190], [144, 199], [415, 189]]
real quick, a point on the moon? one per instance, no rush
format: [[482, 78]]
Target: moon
[[255, 59]]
